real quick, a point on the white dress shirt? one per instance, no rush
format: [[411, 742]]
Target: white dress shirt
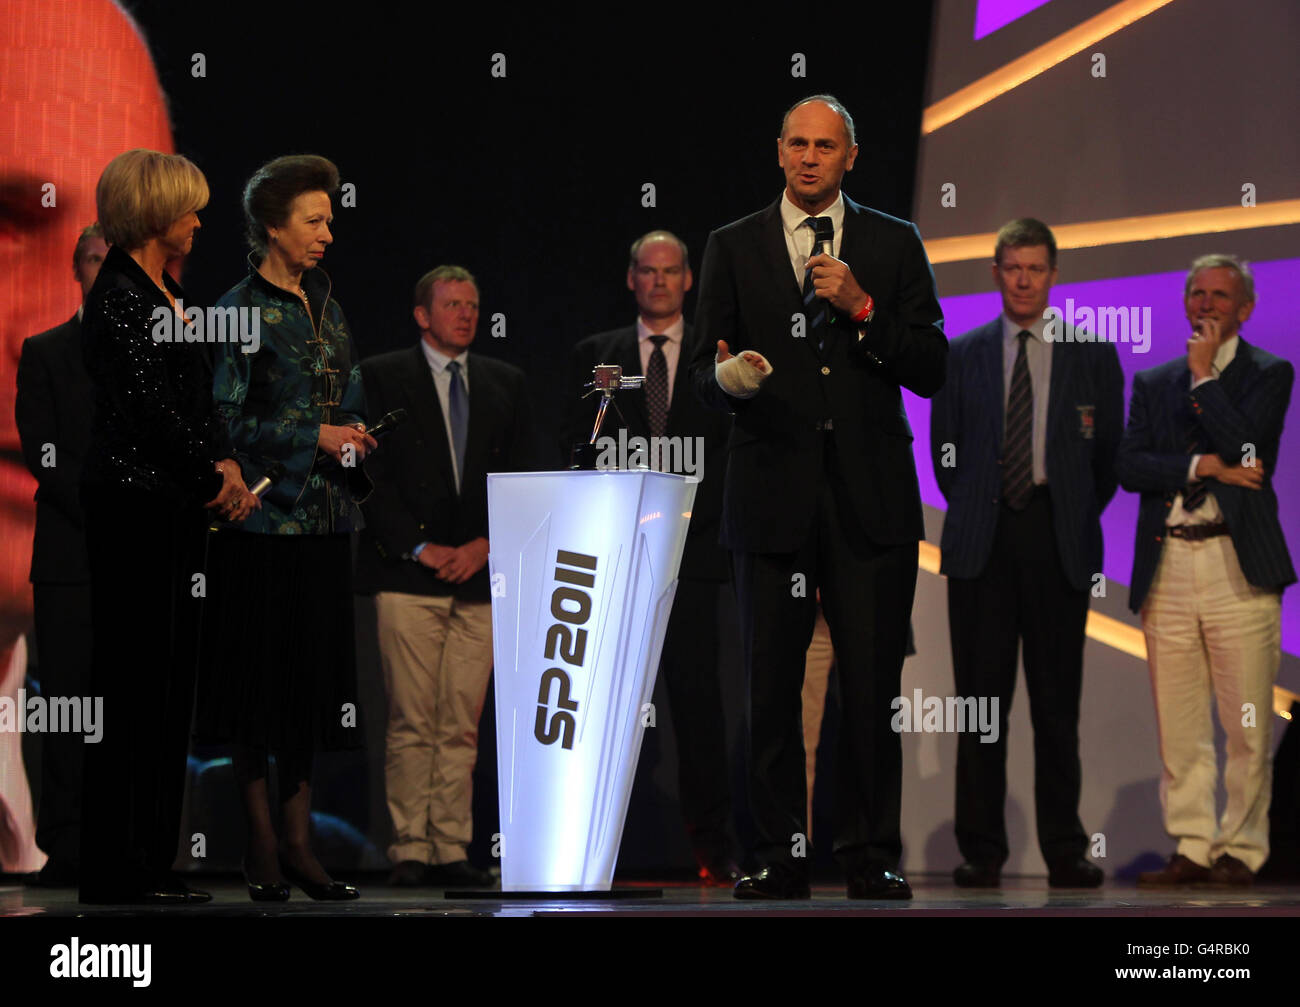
[[799, 236]]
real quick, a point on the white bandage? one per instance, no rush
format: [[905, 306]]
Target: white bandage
[[738, 377]]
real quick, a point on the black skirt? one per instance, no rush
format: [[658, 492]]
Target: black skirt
[[277, 665]]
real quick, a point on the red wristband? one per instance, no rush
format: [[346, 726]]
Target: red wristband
[[867, 312]]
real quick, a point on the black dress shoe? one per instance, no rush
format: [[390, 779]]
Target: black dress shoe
[[409, 874], [878, 883], [970, 875], [271, 891], [459, 874], [1074, 873], [334, 891], [772, 883], [719, 872]]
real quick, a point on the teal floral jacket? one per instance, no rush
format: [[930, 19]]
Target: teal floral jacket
[[304, 373]]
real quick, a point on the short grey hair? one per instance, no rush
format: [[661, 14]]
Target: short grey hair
[[1220, 261], [633, 260], [835, 105]]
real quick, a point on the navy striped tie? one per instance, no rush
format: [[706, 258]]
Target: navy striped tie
[[1018, 441], [1197, 490], [815, 313]]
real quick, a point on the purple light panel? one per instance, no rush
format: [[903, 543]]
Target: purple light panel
[[990, 15], [1271, 327]]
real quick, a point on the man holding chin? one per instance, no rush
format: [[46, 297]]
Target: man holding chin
[[1208, 572]]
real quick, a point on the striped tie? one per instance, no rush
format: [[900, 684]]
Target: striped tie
[[814, 308], [1018, 442]]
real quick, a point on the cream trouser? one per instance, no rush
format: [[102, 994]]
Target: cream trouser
[[437, 655], [816, 676], [1210, 632]]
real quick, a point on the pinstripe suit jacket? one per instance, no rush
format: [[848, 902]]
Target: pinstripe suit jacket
[[1246, 405], [1085, 418]]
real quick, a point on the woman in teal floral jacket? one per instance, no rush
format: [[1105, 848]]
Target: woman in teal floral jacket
[[279, 671]]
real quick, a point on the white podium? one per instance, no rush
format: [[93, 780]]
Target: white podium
[[584, 569]]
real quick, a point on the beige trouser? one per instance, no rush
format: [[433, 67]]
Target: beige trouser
[[1210, 632], [437, 656], [816, 675]]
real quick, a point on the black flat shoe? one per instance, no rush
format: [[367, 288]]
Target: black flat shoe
[[334, 891]]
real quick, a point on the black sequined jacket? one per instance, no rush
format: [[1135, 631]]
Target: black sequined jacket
[[155, 426]]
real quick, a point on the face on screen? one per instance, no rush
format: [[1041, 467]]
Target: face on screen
[[814, 153], [1024, 276], [1218, 294], [65, 120]]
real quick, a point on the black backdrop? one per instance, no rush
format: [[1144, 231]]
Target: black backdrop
[[533, 181]]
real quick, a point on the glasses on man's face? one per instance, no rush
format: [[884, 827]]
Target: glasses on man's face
[[1035, 273]]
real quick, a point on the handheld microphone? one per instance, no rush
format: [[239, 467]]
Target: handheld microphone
[[823, 236], [390, 421], [270, 477]]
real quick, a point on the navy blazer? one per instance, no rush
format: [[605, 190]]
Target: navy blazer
[[703, 558], [1245, 406], [1085, 418], [749, 297], [415, 498]]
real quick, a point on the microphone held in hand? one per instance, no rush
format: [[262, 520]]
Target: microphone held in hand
[[390, 421], [269, 478], [823, 236]]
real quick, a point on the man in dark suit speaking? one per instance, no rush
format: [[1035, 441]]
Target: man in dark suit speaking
[[1209, 567], [423, 555], [1023, 438], [832, 309]]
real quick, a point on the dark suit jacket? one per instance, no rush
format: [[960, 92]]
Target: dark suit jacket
[[748, 296], [704, 558], [1085, 419], [55, 406], [415, 497], [1245, 405]]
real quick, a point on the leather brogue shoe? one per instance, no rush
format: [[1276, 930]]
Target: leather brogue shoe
[[878, 883], [772, 883], [1178, 873], [409, 874], [1229, 872], [970, 875], [1074, 872]]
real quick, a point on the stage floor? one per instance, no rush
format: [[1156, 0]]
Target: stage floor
[[934, 896]]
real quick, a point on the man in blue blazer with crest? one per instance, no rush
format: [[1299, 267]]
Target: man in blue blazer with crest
[[1023, 438]]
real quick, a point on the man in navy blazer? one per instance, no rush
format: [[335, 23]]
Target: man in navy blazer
[[1023, 439], [659, 274], [423, 555], [832, 310], [1209, 567]]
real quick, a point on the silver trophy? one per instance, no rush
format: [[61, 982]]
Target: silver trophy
[[605, 379]]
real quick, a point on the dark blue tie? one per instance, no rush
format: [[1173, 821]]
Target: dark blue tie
[[813, 307], [1018, 440], [458, 406]]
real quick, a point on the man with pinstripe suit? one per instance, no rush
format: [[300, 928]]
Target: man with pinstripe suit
[[1023, 438], [1208, 572]]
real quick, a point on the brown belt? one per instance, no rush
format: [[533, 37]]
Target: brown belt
[[1198, 532]]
